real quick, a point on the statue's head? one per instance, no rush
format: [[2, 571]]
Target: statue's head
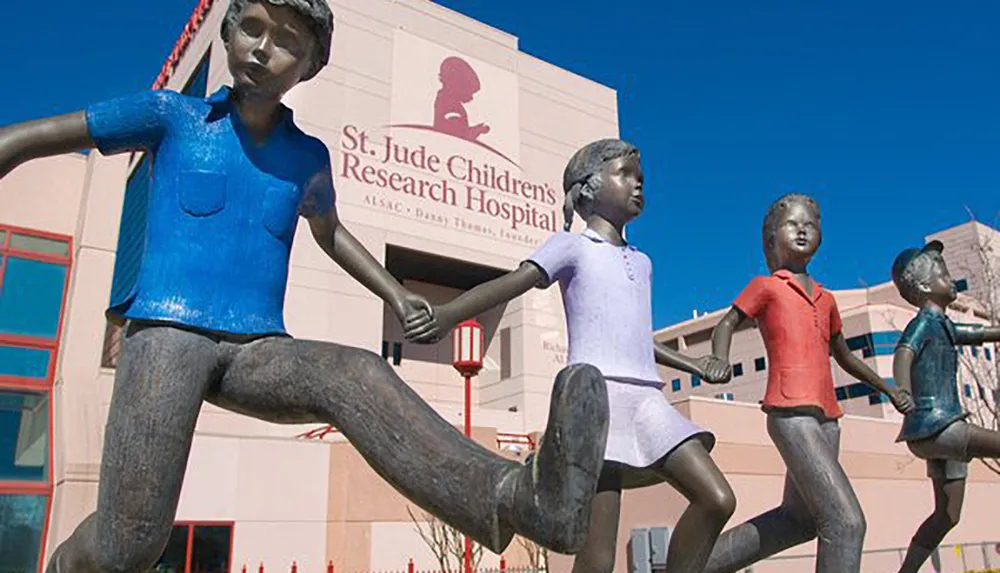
[[272, 45], [791, 231], [599, 165]]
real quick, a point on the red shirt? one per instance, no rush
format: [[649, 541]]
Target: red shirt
[[796, 328]]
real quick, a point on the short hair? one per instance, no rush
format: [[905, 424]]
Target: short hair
[[316, 12], [582, 177], [917, 273], [771, 221]]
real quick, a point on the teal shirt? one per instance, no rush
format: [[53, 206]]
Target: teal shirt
[[932, 337]]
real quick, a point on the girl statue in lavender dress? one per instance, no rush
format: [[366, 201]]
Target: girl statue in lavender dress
[[605, 284]]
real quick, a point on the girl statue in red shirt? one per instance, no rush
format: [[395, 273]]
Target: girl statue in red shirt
[[801, 327]]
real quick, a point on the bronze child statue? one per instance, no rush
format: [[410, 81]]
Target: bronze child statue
[[926, 364], [231, 173], [605, 283], [801, 328]]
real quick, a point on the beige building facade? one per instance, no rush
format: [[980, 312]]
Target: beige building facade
[[443, 213]]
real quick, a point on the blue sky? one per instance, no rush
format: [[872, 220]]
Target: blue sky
[[887, 112]]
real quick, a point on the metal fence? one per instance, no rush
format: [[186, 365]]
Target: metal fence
[[648, 547], [408, 568], [983, 556]]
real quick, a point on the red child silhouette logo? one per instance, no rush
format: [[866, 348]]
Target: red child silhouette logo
[[459, 85]]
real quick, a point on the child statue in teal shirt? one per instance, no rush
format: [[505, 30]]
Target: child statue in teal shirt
[[926, 364]]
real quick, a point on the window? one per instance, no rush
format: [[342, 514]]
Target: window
[[34, 272], [874, 343], [695, 380], [857, 342], [675, 385], [24, 436], [737, 370], [505, 353], [33, 289], [397, 352], [24, 461], [197, 548], [22, 531], [25, 362], [759, 364], [987, 354], [877, 398], [884, 343], [962, 285], [975, 352], [858, 390], [197, 84], [726, 396], [967, 390]]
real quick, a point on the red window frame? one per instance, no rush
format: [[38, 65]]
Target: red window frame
[[190, 538], [14, 383], [29, 341]]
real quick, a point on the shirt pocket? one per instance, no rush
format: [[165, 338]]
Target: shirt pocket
[[281, 208], [202, 193], [796, 383]]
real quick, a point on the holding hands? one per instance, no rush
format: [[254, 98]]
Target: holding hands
[[901, 400], [714, 370], [431, 331], [414, 312]]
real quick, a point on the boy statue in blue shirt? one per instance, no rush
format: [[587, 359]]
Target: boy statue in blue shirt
[[230, 175], [926, 364]]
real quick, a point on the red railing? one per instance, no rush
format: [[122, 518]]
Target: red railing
[[410, 568], [504, 440]]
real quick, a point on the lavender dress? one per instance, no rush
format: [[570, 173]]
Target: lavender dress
[[606, 295]]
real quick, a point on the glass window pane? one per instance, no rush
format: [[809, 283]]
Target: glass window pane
[[31, 299], [24, 436], [39, 245], [21, 520], [210, 549], [3, 237], [24, 362], [175, 555]]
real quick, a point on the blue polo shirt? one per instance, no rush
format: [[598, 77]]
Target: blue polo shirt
[[932, 337], [222, 208]]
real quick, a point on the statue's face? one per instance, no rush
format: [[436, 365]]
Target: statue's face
[[939, 286], [269, 49], [620, 198], [797, 235]]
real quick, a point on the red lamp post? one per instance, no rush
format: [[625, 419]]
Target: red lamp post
[[468, 360]]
